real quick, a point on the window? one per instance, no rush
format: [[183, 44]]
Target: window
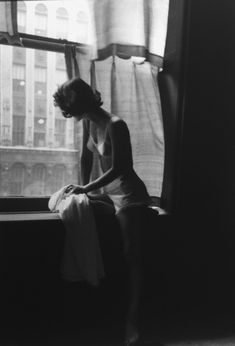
[[18, 129], [60, 126], [82, 27], [62, 23], [38, 185], [17, 179], [55, 19], [21, 16], [40, 58], [18, 79], [34, 135], [40, 20], [35, 158], [40, 106], [19, 56]]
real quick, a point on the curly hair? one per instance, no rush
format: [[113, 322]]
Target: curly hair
[[74, 96]]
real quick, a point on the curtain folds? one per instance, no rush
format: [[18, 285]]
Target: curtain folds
[[130, 28], [8, 23]]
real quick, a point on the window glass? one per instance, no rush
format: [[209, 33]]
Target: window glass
[[21, 16], [40, 20], [62, 23], [40, 58], [82, 27], [37, 153], [17, 179], [18, 130], [56, 19]]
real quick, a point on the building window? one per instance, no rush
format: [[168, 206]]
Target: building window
[[62, 23], [60, 126], [18, 73], [18, 76], [40, 106], [19, 56], [40, 58], [18, 130], [60, 62], [40, 20], [39, 139], [39, 131], [17, 180], [82, 27], [21, 16], [38, 185], [18, 87]]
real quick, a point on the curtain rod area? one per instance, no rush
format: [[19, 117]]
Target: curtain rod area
[[58, 45], [45, 43]]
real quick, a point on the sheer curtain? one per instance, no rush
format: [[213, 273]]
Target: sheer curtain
[[8, 22], [130, 27], [123, 65]]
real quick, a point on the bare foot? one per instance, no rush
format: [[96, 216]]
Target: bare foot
[[132, 335]]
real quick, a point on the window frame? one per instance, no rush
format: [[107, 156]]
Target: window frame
[[24, 204]]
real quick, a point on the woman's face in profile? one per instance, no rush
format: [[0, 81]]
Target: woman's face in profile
[[75, 108]]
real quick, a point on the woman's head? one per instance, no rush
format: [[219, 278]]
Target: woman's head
[[75, 97]]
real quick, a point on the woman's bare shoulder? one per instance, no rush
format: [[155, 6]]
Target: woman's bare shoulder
[[118, 128], [114, 120]]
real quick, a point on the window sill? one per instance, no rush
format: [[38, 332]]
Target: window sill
[[33, 216], [39, 216]]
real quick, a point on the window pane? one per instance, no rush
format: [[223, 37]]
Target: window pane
[[40, 19], [40, 58], [21, 16], [37, 152], [57, 19], [18, 130], [62, 23]]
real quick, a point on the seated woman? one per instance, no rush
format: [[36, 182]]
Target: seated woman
[[108, 135]]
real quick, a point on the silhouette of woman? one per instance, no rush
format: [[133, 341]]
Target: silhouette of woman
[[108, 135]]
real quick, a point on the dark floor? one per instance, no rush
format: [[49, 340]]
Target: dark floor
[[207, 329]]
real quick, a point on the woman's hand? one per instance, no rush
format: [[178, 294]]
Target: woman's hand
[[76, 189]]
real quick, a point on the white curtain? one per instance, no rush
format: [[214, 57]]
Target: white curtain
[[123, 31], [130, 27], [8, 23]]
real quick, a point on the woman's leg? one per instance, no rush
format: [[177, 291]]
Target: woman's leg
[[131, 221]]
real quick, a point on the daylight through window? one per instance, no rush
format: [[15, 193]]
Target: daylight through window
[[38, 147]]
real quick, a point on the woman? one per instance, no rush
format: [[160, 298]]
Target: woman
[[108, 135]]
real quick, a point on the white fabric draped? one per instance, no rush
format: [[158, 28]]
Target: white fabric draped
[[8, 22], [82, 258]]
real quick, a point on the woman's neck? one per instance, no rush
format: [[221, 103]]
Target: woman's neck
[[99, 116]]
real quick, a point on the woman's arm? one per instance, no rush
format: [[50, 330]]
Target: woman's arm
[[121, 157], [86, 156]]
